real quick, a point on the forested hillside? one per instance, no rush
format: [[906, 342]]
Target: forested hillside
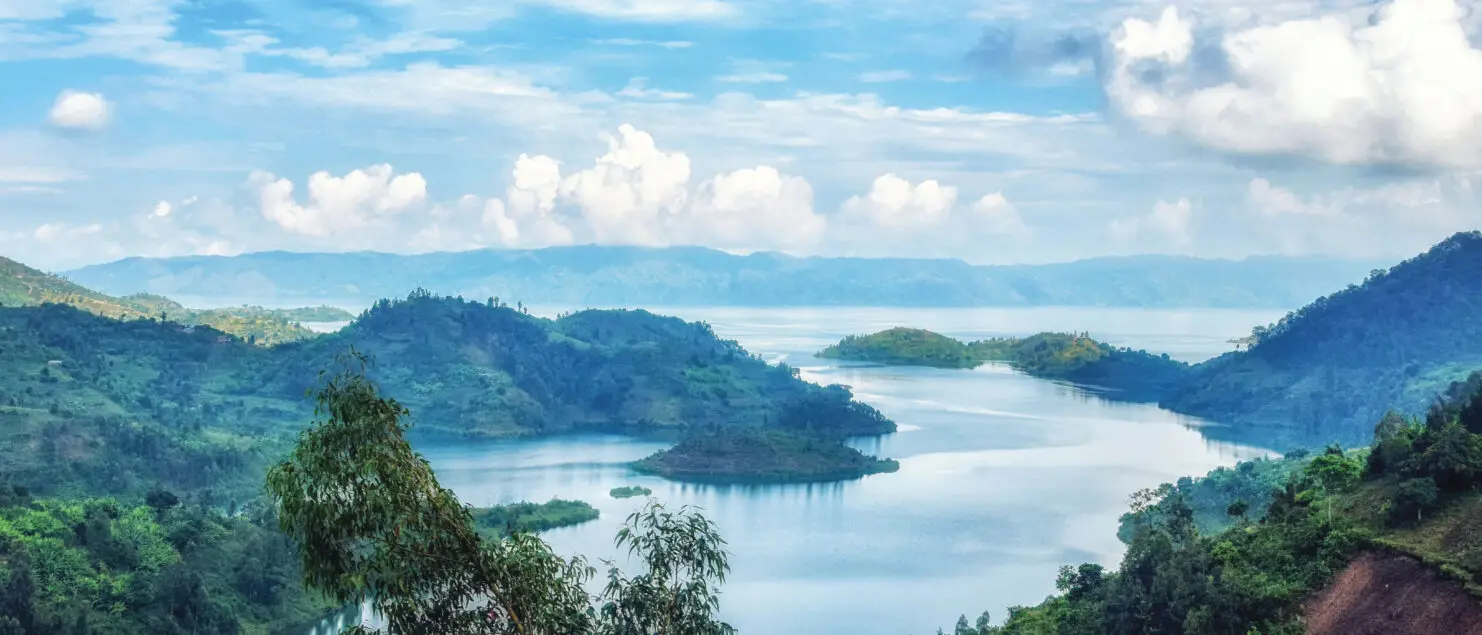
[[23, 286], [595, 275], [1412, 497], [1327, 371]]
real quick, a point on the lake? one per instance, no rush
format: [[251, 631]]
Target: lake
[[1003, 477]]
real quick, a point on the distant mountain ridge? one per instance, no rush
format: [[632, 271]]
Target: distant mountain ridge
[[677, 276]]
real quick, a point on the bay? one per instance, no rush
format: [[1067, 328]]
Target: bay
[[1003, 477]]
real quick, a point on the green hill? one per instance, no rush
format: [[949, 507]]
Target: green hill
[[94, 405], [23, 286], [904, 346], [1327, 371]]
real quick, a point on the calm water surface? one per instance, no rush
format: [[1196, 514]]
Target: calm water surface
[[1003, 477]]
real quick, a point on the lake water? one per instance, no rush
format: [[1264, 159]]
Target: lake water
[[1003, 477]]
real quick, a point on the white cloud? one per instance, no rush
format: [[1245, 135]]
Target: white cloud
[[162, 209], [893, 202], [1272, 200], [754, 209], [1404, 88], [338, 204], [637, 89], [897, 217], [631, 191], [1166, 228], [80, 110], [878, 77]]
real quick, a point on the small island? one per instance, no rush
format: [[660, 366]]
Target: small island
[[904, 347], [630, 491], [1128, 374], [762, 456], [532, 517]]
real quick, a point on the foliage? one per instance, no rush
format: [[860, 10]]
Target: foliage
[[372, 523], [905, 347], [99, 565], [533, 517], [629, 491], [1122, 372], [754, 455], [1328, 371], [1210, 496]]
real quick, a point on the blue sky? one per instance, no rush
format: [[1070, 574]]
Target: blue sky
[[1008, 131]]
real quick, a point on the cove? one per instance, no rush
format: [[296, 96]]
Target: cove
[[1003, 477]]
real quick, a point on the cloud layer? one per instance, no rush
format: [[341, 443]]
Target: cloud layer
[[1402, 87]]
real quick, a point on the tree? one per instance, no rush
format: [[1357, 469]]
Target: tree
[[372, 523], [1237, 509], [1411, 498]]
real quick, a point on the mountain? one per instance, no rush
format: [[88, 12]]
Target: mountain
[[634, 276], [23, 286], [1328, 371]]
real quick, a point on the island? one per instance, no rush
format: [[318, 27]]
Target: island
[[1124, 373], [905, 347], [630, 491], [533, 517], [762, 456]]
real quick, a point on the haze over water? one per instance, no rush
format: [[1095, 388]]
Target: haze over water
[[1003, 477]]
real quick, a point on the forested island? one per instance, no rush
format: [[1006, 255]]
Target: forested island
[[762, 456], [533, 517], [1075, 357]]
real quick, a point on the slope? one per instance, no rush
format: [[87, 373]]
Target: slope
[[1327, 371], [23, 286]]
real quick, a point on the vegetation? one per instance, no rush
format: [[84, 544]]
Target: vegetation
[[23, 286], [905, 347], [1329, 370], [629, 491], [533, 518], [373, 524], [1413, 492], [1124, 373], [99, 565], [762, 456], [1245, 487]]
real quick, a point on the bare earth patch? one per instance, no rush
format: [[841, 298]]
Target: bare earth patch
[[1383, 594]]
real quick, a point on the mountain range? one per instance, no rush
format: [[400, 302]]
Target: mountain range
[[691, 276]]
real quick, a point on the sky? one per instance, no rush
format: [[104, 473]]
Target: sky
[[994, 131]]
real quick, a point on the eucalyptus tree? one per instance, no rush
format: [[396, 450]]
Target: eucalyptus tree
[[372, 523]]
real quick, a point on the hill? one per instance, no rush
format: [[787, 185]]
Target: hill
[[632, 276], [1403, 512], [100, 406], [23, 286], [1325, 372], [906, 347]]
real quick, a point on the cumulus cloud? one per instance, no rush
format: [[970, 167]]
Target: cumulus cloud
[[338, 203], [1402, 87], [640, 194], [80, 110], [895, 212], [1165, 228]]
